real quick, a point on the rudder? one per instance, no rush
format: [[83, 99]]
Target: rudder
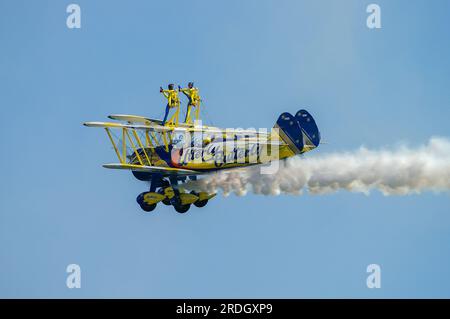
[[311, 134]]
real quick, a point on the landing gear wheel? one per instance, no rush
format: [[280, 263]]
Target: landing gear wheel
[[148, 208], [145, 207], [199, 203], [182, 208], [165, 201]]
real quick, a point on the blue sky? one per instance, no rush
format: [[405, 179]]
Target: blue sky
[[252, 60]]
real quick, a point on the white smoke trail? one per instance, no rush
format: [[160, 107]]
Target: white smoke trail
[[392, 172]]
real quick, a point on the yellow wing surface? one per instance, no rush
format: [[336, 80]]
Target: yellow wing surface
[[164, 171], [144, 123]]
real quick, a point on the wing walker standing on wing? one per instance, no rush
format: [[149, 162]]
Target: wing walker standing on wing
[[172, 102], [193, 101]]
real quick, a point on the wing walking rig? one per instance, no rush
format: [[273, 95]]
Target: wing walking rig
[[170, 155]]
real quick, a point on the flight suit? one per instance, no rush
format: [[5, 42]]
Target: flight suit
[[172, 102], [194, 101]]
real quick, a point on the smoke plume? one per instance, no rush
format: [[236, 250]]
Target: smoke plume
[[398, 171]]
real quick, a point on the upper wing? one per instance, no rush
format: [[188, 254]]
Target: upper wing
[[160, 128], [141, 119], [157, 126], [164, 171]]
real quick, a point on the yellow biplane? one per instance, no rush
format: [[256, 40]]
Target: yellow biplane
[[170, 155]]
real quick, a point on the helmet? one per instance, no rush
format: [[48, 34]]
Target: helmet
[[191, 85], [170, 86]]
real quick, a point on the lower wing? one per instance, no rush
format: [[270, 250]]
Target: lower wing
[[164, 171]]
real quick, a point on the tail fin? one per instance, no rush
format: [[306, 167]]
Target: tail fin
[[290, 132], [300, 132], [311, 134]]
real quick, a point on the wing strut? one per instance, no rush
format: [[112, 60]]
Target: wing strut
[[114, 145]]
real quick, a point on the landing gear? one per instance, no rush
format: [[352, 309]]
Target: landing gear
[[182, 208], [145, 207], [199, 203], [148, 208], [179, 207], [165, 201], [170, 194]]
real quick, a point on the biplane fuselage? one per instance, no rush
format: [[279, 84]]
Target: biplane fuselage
[[170, 154]]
